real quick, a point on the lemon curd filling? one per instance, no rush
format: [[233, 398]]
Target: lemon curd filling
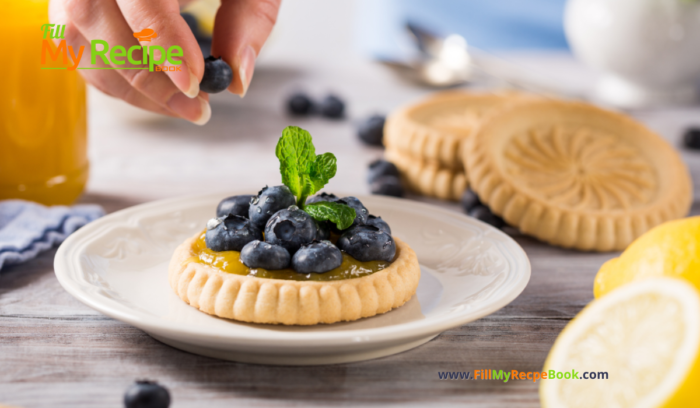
[[230, 262]]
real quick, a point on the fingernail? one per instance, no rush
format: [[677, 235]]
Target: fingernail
[[206, 112], [185, 81], [246, 68], [195, 110]]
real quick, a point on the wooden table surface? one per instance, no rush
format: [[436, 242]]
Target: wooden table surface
[[55, 352]]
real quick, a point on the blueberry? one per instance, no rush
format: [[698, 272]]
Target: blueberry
[[318, 257], [234, 205], [332, 107], [323, 231], [361, 212], [469, 200], [322, 197], [388, 186], [379, 223], [367, 243], [146, 394], [230, 233], [268, 201], [290, 229], [258, 254], [379, 168], [371, 131], [482, 213], [300, 104], [217, 75], [691, 138]]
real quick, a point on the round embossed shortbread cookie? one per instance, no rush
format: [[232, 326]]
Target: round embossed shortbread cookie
[[276, 301], [433, 129], [575, 175], [428, 177]]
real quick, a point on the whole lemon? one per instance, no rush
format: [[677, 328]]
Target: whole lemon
[[671, 249]]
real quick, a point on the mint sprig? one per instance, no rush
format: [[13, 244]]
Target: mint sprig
[[306, 173], [341, 215]]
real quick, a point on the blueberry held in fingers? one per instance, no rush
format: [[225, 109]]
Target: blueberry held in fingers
[[300, 104], [268, 201], [368, 243], [146, 394], [290, 228], [371, 130], [318, 257], [217, 75], [230, 233], [379, 168], [388, 186], [482, 213], [234, 205], [332, 107], [691, 138], [258, 254]]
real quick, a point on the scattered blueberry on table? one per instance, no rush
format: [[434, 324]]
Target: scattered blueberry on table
[[383, 178], [371, 130], [691, 138], [388, 186], [300, 104], [469, 200], [332, 107], [146, 394], [217, 75]]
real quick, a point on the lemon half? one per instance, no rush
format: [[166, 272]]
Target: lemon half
[[646, 336]]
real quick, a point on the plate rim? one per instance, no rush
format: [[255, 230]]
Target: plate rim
[[63, 262]]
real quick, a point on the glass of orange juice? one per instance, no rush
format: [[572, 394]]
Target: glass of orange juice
[[43, 121]]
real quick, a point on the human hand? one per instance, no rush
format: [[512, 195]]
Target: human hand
[[240, 30]]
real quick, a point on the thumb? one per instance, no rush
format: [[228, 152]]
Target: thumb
[[241, 28]]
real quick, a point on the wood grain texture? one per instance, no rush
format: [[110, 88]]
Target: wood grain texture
[[55, 352]]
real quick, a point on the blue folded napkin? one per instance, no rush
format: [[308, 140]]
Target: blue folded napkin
[[27, 228]]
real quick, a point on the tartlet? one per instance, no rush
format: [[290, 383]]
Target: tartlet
[[575, 175], [289, 302]]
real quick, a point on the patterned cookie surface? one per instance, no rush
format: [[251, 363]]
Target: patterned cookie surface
[[433, 130], [575, 175]]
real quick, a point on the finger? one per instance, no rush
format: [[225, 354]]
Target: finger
[[107, 81], [113, 29], [163, 16], [240, 30]]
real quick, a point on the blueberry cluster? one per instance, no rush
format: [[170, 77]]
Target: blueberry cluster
[[475, 208], [271, 232], [383, 179], [300, 104]]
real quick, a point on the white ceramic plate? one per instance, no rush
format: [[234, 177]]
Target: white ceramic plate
[[118, 265]]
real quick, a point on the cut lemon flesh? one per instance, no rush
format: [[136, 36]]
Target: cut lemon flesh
[[645, 336]]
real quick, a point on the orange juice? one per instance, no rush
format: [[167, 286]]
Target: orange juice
[[43, 123]]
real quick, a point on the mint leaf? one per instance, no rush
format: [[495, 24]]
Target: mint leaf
[[296, 154], [322, 170], [340, 214]]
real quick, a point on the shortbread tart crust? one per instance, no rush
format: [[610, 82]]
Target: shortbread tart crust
[[428, 178], [276, 301], [575, 175], [433, 129]]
